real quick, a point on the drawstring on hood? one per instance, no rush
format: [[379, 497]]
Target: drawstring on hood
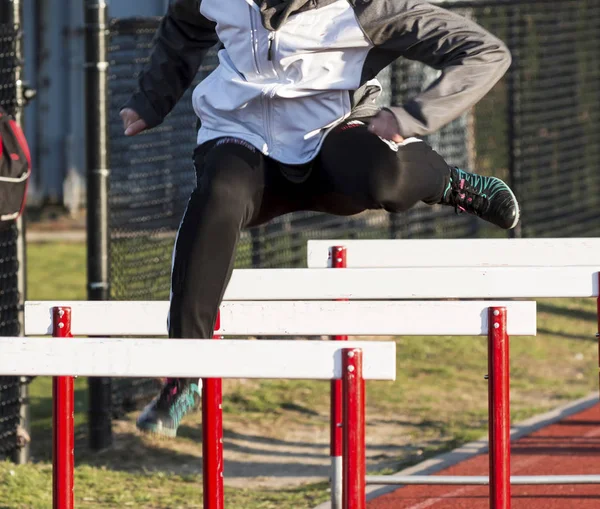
[[276, 12]]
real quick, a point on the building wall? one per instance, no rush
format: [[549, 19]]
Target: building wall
[[55, 120]]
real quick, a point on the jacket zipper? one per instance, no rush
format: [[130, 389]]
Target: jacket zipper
[[268, 94], [254, 41], [270, 49]]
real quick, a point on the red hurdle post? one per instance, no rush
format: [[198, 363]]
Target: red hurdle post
[[499, 408], [598, 332], [337, 256], [212, 439], [354, 458], [63, 433]]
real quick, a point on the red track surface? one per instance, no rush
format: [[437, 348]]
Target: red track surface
[[569, 447]]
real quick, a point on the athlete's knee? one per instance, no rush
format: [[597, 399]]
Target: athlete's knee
[[390, 194], [386, 185], [409, 177]]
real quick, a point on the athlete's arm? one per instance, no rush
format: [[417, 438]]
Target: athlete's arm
[[181, 42], [471, 60]]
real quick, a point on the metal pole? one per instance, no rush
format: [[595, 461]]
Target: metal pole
[[479, 480], [499, 409], [337, 258], [21, 454], [212, 439], [598, 332], [354, 492], [63, 430], [98, 172]]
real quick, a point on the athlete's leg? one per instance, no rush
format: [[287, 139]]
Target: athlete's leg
[[358, 169], [236, 187]]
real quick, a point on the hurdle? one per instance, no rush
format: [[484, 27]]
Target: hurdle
[[490, 268], [287, 302], [66, 357]]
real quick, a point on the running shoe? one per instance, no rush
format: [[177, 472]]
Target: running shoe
[[486, 197], [163, 415]]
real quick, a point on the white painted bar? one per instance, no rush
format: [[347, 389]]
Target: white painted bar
[[285, 318], [285, 359], [517, 480], [459, 252], [414, 283]]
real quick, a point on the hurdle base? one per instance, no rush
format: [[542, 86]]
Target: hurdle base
[[336, 482], [389, 480]]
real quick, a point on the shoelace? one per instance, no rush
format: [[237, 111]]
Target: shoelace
[[466, 200], [168, 393]]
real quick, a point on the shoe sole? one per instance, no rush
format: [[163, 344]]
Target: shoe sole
[[516, 202], [152, 429]]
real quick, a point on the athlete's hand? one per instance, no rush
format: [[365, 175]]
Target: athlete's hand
[[132, 122], [385, 125]]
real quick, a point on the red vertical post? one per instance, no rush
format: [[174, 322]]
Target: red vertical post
[[337, 257], [598, 332], [212, 439], [355, 463], [499, 408], [63, 433]]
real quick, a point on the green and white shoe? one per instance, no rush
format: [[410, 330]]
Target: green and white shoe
[[163, 415], [486, 197]]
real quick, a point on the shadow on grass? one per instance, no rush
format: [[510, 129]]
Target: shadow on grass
[[131, 453], [556, 309], [134, 452], [566, 335]]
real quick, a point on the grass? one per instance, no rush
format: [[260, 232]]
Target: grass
[[30, 487], [438, 402], [56, 271]]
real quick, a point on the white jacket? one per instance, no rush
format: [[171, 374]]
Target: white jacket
[[282, 90]]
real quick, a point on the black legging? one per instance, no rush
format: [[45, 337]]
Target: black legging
[[238, 187]]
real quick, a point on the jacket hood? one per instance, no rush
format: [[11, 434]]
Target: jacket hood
[[276, 12]]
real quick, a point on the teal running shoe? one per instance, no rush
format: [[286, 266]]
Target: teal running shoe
[[486, 197], [163, 415]]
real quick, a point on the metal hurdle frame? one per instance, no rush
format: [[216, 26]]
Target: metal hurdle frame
[[283, 288], [493, 252]]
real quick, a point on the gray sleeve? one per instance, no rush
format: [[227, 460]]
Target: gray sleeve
[[181, 42], [470, 59]]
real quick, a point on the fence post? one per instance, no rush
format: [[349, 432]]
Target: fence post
[[63, 432], [212, 439], [499, 408], [21, 454], [98, 172], [337, 259], [354, 494], [514, 170]]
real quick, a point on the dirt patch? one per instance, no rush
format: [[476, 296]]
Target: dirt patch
[[275, 450]]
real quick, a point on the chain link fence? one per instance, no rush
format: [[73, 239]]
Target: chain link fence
[[538, 128], [11, 393], [556, 115]]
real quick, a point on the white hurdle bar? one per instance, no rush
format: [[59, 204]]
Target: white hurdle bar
[[289, 318], [196, 358], [571, 264], [394, 253]]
